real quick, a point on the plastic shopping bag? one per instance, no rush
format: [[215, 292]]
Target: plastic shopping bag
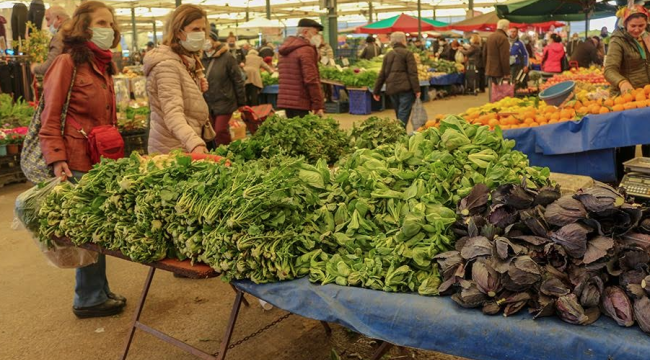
[[419, 115], [26, 216], [500, 91]]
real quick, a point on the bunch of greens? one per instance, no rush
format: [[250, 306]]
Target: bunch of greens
[[575, 256], [269, 79], [351, 77], [376, 131], [311, 137], [15, 114], [445, 66], [389, 211]]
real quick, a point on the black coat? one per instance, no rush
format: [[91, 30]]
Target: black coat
[[226, 91], [586, 54]]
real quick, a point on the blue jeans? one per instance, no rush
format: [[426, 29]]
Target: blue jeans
[[403, 103], [91, 286]]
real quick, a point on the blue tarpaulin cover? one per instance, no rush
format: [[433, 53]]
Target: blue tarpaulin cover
[[448, 79], [585, 147], [437, 323]]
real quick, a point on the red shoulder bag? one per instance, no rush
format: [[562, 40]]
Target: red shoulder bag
[[103, 141]]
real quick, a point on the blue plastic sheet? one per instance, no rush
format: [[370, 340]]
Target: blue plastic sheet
[[437, 323], [271, 89], [448, 79], [585, 147]]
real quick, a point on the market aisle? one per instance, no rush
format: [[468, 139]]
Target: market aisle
[[450, 105], [36, 298]]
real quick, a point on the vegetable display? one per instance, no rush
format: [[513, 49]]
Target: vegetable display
[[350, 77], [15, 114], [388, 212], [375, 131], [573, 256], [269, 79]]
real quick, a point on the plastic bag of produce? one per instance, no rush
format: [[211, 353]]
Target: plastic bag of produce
[[419, 115], [26, 216], [500, 91]]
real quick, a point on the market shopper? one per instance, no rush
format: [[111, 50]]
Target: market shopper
[[55, 17], [473, 52], [325, 51], [496, 53], [372, 50], [176, 83], [400, 74], [267, 50], [554, 55], [444, 50], [573, 44], [254, 64], [235, 51], [586, 53], [628, 64], [300, 86], [85, 69], [518, 55]]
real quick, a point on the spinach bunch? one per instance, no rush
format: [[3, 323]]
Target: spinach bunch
[[376, 131], [390, 208]]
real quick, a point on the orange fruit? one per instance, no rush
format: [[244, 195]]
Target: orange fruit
[[493, 122], [629, 106], [619, 100], [618, 107], [608, 103], [640, 96], [594, 109], [647, 89], [577, 105], [628, 97], [540, 118], [534, 124], [555, 116], [529, 121], [505, 127], [566, 113], [553, 121], [603, 110], [583, 110]]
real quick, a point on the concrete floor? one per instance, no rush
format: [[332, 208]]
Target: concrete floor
[[36, 321]]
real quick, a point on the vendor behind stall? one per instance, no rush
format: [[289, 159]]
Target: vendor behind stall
[[627, 66]]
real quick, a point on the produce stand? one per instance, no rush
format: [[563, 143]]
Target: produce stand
[[585, 147], [439, 324], [269, 95], [184, 268], [10, 171], [446, 80]]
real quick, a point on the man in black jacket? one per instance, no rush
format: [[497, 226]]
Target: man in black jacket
[[400, 74], [587, 53]]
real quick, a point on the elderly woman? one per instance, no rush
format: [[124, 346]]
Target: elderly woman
[[628, 65], [474, 55], [176, 83], [254, 64], [79, 84]]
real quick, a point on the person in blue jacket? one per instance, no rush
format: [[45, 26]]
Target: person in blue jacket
[[518, 56]]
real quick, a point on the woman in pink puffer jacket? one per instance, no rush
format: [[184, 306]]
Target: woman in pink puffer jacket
[[553, 55]]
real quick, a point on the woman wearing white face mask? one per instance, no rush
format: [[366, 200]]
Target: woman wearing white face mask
[[84, 74], [176, 83]]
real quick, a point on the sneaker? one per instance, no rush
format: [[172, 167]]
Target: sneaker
[[109, 307]]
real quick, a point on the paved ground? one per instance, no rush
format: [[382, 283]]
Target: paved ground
[[36, 321]]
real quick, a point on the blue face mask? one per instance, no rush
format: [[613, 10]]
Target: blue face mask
[[53, 30]]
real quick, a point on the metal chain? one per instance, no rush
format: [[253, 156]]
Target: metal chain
[[258, 332]]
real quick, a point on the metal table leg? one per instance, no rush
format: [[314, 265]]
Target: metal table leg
[[328, 329], [138, 311], [239, 298]]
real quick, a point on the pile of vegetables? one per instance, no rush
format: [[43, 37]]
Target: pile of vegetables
[[445, 66], [270, 79], [389, 210], [376, 131], [574, 256], [16, 114], [311, 137], [350, 77]]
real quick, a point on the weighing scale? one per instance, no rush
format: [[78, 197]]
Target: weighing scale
[[637, 177]]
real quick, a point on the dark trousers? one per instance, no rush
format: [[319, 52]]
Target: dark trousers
[[252, 95], [403, 103], [222, 128], [481, 79], [292, 113]]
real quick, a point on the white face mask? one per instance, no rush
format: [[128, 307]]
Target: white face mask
[[207, 47], [103, 37], [52, 29], [316, 41], [194, 41]]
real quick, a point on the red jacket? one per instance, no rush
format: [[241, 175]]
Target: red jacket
[[300, 86], [92, 103], [552, 60]]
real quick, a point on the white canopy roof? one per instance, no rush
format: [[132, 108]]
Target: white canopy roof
[[261, 23]]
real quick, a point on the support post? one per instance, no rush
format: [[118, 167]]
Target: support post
[[434, 13], [333, 27], [179, 3], [586, 25], [470, 9], [134, 30], [155, 34], [419, 19], [268, 9], [370, 10], [247, 15]]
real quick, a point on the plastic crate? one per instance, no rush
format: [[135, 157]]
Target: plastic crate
[[337, 107], [360, 102], [135, 141]]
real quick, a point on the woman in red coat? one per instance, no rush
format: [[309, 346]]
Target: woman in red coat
[[553, 55], [88, 38]]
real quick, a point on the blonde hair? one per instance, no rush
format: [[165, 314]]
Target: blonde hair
[[58, 11], [178, 20], [475, 39], [503, 24]]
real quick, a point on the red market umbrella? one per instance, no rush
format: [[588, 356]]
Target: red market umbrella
[[403, 23], [488, 22]]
